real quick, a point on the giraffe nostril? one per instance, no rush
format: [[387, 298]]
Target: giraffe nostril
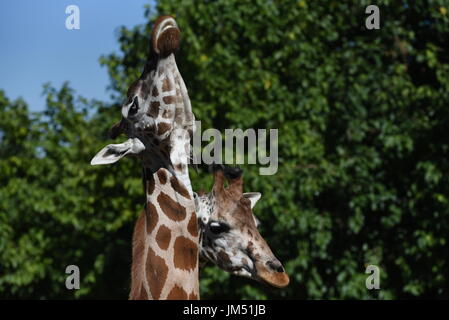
[[276, 266], [280, 269]]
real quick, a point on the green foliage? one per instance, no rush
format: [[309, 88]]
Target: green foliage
[[56, 209], [363, 150]]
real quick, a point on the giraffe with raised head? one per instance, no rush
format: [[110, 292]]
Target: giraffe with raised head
[[158, 120]]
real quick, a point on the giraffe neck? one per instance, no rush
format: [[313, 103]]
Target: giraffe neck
[[169, 107], [175, 160], [179, 155], [166, 239], [165, 242], [182, 117]]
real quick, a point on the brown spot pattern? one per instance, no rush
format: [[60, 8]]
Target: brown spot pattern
[[155, 92], [163, 237], [166, 86], [162, 128], [192, 226], [179, 116], [223, 256], [172, 209], [179, 188], [185, 254], [180, 167], [162, 176], [157, 271], [169, 99], [150, 186], [152, 217], [177, 293], [138, 254], [154, 108]]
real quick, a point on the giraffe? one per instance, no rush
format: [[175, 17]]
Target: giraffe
[[158, 120], [229, 236]]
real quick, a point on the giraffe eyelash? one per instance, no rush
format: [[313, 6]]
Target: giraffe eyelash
[[219, 227]]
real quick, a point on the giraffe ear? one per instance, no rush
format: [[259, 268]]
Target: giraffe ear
[[114, 152], [253, 197]]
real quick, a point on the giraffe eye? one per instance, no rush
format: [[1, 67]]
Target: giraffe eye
[[134, 107], [218, 227]]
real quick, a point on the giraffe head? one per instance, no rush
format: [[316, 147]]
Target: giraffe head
[[229, 237], [154, 101]]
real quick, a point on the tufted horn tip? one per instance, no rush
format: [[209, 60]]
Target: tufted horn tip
[[233, 172]]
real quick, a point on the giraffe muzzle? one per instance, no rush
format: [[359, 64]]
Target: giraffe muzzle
[[272, 273]]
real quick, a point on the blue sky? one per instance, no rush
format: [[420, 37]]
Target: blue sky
[[36, 47]]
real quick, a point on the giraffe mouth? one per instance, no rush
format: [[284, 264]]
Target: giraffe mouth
[[261, 272], [242, 269], [275, 279]]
